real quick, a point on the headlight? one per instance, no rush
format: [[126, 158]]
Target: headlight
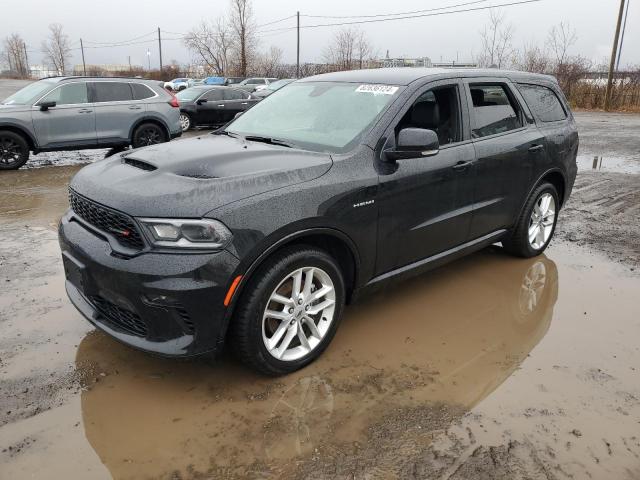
[[177, 233]]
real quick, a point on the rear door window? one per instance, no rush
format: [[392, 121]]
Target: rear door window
[[494, 110], [141, 92], [232, 94], [213, 95], [112, 92], [543, 102]]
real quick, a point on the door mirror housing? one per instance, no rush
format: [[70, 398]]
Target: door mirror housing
[[201, 101], [414, 143], [237, 115], [44, 106]]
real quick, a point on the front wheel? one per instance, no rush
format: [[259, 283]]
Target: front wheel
[[185, 122], [536, 226], [289, 311], [14, 151], [148, 134]]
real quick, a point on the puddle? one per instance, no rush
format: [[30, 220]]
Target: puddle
[[609, 164], [488, 367]]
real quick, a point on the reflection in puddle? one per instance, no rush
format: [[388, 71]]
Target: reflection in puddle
[[450, 337]]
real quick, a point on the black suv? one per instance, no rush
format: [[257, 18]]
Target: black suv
[[262, 231]]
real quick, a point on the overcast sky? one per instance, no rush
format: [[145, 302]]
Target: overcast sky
[[441, 37]]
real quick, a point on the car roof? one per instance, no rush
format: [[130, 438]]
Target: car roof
[[407, 75], [103, 79]]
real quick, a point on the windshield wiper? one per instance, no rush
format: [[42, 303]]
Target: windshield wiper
[[224, 132], [269, 140]]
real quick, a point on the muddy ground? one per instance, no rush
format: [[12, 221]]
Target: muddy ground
[[490, 367]]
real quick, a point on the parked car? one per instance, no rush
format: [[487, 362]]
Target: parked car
[[207, 106], [272, 87], [259, 233], [214, 81], [233, 80], [179, 84], [72, 113], [254, 84]]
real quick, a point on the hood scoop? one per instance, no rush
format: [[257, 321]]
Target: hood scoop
[[140, 164]]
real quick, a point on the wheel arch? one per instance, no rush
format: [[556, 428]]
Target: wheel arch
[[150, 119], [10, 127], [556, 177], [335, 242]]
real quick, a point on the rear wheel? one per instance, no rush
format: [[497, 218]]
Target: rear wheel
[[536, 225], [290, 311], [185, 122], [14, 150], [148, 134]]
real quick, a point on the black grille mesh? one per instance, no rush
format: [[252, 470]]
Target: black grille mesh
[[107, 220], [119, 317]]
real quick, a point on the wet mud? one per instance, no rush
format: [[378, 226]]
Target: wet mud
[[489, 367]]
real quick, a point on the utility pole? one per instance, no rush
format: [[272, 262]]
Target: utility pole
[[624, 27], [26, 59], [160, 49], [84, 65], [149, 58], [612, 64], [298, 47], [129, 58]]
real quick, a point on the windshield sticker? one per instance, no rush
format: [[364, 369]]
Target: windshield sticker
[[377, 89]]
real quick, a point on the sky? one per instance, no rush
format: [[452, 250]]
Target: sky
[[446, 37]]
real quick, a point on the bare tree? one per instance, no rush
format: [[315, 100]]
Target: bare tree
[[270, 63], [56, 48], [15, 55], [211, 43], [348, 49], [560, 39], [496, 41], [243, 28], [533, 58]]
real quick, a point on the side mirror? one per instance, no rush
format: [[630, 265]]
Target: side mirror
[[237, 115], [201, 101], [44, 106], [414, 143]]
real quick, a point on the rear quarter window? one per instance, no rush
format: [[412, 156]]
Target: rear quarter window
[[141, 92], [544, 102]]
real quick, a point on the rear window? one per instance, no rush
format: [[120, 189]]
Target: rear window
[[543, 102], [141, 92], [112, 92], [493, 110]]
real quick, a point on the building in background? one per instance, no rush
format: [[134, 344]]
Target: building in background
[[406, 62]]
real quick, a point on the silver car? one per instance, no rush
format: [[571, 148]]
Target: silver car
[[72, 113]]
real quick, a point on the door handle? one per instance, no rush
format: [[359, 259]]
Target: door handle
[[462, 165], [536, 148], [135, 107], [221, 105], [85, 110], [244, 103]]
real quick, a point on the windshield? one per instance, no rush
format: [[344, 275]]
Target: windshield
[[319, 116], [190, 94], [30, 93]]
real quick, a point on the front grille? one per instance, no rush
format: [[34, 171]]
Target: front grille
[[107, 220], [119, 317]]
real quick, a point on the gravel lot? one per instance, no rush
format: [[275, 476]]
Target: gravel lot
[[490, 367]]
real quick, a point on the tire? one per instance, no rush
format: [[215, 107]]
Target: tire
[[519, 243], [14, 150], [185, 122], [148, 134], [252, 328]]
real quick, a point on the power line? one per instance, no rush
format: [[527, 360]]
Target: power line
[[395, 14], [278, 21], [379, 20], [122, 41]]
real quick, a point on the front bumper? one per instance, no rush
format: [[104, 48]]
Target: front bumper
[[166, 303]]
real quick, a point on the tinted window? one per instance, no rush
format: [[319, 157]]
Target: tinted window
[[232, 94], [543, 102], [255, 81], [213, 95], [140, 91], [493, 110], [438, 110], [69, 94], [112, 92]]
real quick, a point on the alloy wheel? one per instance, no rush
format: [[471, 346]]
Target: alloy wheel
[[185, 122], [541, 222], [10, 151], [299, 313]]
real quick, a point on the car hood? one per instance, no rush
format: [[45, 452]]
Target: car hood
[[188, 178], [13, 108]]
